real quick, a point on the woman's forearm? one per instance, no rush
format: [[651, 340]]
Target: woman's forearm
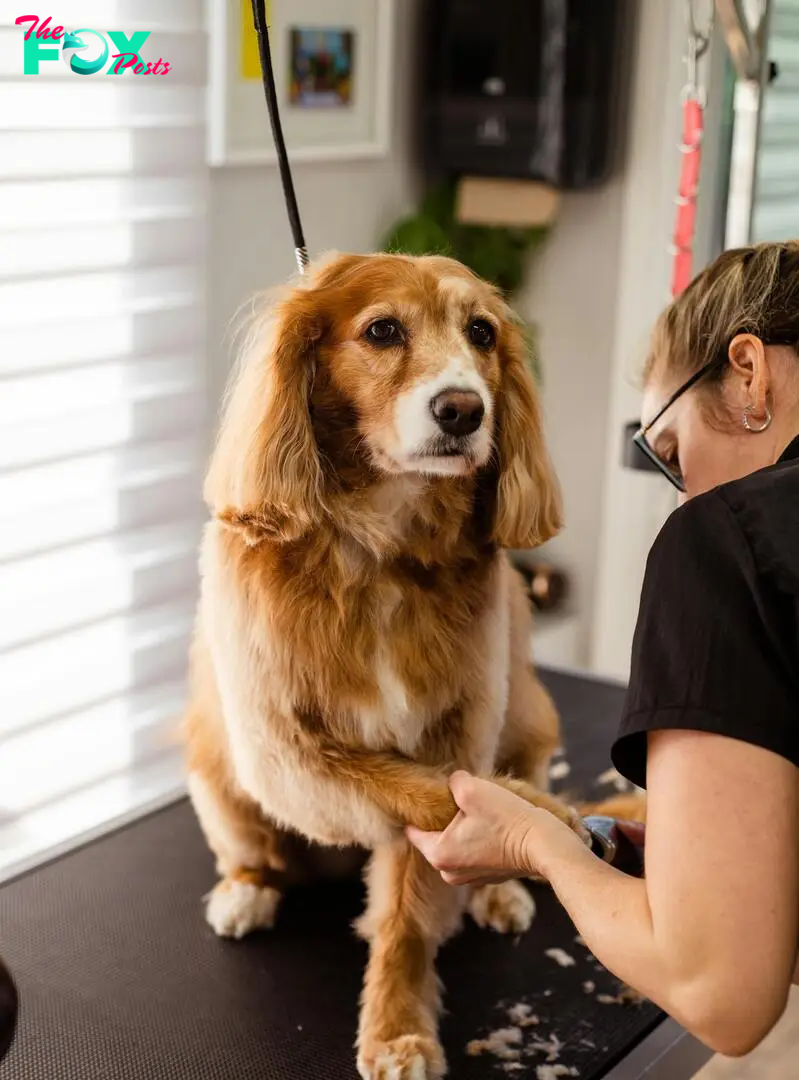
[[611, 912], [613, 916]]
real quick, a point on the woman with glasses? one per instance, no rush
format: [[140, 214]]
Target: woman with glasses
[[711, 720]]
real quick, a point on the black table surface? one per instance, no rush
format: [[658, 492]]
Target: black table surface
[[121, 979]]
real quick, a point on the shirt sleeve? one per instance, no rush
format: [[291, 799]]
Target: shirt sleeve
[[707, 652]]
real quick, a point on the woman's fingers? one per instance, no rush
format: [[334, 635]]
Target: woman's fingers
[[463, 787], [473, 877], [448, 850], [426, 842]]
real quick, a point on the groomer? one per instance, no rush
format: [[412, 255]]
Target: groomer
[[711, 720]]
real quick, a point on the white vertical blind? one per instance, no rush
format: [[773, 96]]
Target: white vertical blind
[[102, 354], [776, 205]]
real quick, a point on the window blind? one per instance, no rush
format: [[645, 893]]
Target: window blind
[[102, 417], [776, 204]]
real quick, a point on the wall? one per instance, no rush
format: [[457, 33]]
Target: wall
[[572, 297], [596, 290], [344, 205], [635, 504]]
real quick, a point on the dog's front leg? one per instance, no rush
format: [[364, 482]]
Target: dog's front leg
[[411, 793], [410, 912]]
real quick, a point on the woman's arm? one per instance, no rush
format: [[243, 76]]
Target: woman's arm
[[711, 934]]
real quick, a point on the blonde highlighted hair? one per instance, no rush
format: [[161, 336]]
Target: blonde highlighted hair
[[751, 290]]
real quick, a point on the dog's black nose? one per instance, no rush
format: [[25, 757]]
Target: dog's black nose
[[458, 412]]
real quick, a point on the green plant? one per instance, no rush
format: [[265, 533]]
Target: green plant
[[497, 253]]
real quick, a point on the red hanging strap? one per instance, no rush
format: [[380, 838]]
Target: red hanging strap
[[693, 106], [685, 225]]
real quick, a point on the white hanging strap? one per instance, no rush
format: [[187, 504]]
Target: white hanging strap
[[745, 27]]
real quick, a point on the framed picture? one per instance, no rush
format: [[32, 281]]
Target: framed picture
[[333, 64]]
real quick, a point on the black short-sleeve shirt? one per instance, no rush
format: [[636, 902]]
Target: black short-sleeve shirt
[[716, 645]]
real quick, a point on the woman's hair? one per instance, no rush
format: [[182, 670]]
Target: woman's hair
[[751, 290]]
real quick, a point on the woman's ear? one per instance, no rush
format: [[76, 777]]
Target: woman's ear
[[265, 477], [528, 510], [747, 355]]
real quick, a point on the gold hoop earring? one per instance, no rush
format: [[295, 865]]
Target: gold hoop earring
[[756, 430]]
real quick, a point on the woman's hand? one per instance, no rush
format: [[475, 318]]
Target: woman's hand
[[495, 836]]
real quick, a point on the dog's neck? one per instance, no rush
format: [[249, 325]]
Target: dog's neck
[[409, 516]]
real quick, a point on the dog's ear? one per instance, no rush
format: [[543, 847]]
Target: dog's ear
[[265, 476], [528, 509]]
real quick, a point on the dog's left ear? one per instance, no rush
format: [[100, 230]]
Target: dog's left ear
[[528, 506], [265, 477]]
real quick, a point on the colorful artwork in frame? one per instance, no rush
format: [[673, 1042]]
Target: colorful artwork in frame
[[333, 66], [321, 73]]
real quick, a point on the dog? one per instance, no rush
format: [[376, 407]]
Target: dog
[[361, 632]]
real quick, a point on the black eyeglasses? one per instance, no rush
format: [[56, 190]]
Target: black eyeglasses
[[671, 470]]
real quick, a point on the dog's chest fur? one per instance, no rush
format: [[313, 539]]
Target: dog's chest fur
[[388, 718], [376, 649], [387, 653]]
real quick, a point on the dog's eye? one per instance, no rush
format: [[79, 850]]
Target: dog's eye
[[384, 332], [482, 334]]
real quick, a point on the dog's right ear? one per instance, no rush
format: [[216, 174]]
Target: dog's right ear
[[265, 476], [528, 495]]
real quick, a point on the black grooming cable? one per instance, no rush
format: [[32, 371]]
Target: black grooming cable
[[262, 30]]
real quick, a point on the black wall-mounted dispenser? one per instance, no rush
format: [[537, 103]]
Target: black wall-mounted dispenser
[[531, 89]]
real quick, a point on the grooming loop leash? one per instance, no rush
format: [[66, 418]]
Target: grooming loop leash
[[694, 100], [264, 52]]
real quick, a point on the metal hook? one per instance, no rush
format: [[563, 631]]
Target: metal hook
[[699, 40], [698, 45]]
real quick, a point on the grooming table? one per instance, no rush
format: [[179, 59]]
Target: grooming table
[[121, 979]]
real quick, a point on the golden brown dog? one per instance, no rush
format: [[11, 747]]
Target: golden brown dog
[[361, 632]]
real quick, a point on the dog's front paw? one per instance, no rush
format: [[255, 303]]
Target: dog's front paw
[[410, 1057], [235, 908], [507, 908]]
